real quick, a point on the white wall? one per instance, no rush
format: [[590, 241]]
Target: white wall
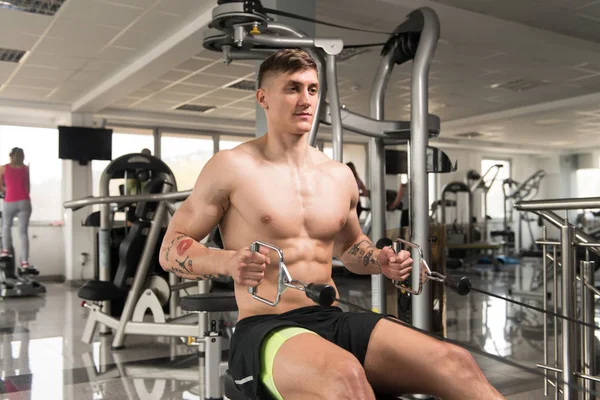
[[46, 248]]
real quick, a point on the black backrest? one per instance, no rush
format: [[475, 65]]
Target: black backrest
[[131, 248], [145, 210]]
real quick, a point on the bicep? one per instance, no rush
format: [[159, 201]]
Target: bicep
[[203, 209], [351, 230]]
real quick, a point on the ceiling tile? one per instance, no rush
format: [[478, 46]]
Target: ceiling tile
[[228, 112], [34, 71], [98, 12], [193, 90], [211, 55], [143, 4], [173, 76], [6, 69], [236, 71], [65, 95], [193, 65], [17, 40], [156, 22], [17, 21], [83, 32], [34, 82], [117, 54], [211, 101], [38, 58], [65, 47], [24, 93], [209, 80], [133, 39]]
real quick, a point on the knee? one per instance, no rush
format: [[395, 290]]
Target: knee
[[460, 362], [347, 379]]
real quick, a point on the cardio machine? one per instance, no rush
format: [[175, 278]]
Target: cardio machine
[[13, 283]]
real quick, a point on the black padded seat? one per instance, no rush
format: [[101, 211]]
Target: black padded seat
[[100, 291], [209, 302]]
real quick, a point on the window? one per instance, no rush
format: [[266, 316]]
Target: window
[[495, 196], [122, 143], [588, 184], [40, 146], [229, 142], [186, 155]]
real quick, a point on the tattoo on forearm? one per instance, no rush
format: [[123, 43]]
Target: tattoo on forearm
[[182, 264], [365, 254], [367, 259], [169, 249]]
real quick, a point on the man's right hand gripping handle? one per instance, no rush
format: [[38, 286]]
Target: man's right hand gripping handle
[[247, 268]]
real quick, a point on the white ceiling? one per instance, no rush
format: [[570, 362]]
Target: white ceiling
[[134, 57]]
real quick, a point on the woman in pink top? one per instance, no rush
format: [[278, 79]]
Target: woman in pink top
[[14, 182]]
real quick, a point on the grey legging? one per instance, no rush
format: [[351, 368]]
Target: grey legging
[[10, 210]]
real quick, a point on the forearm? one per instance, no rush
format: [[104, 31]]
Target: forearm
[[185, 257], [361, 257]]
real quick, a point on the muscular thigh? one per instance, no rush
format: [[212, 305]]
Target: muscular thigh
[[304, 364], [401, 360]]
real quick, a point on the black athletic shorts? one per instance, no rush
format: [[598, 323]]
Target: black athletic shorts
[[349, 330]]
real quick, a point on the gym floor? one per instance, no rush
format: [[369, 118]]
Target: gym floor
[[42, 355]]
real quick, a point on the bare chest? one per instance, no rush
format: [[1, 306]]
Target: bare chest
[[286, 205]]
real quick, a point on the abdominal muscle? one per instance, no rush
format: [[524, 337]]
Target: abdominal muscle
[[303, 271]]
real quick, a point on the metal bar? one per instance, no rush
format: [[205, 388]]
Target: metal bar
[[384, 129], [547, 367], [547, 242], [377, 157], [161, 329], [555, 322], [545, 301], [589, 338], [142, 271], [104, 240], [568, 355], [279, 41], [596, 244], [183, 285], [558, 204], [554, 386], [589, 377], [419, 202], [591, 287], [105, 200], [557, 221], [334, 102]]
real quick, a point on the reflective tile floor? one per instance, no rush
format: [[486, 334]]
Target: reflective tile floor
[[42, 356]]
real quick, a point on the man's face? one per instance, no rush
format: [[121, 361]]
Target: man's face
[[289, 100]]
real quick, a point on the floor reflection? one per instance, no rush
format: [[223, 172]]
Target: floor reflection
[[42, 356]]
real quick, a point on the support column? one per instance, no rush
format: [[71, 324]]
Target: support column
[[77, 183]]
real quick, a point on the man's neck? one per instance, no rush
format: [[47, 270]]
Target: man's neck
[[286, 148]]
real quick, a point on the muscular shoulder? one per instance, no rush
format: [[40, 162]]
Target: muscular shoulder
[[339, 171]]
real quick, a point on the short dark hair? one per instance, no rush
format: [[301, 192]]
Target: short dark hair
[[15, 150], [286, 61]]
